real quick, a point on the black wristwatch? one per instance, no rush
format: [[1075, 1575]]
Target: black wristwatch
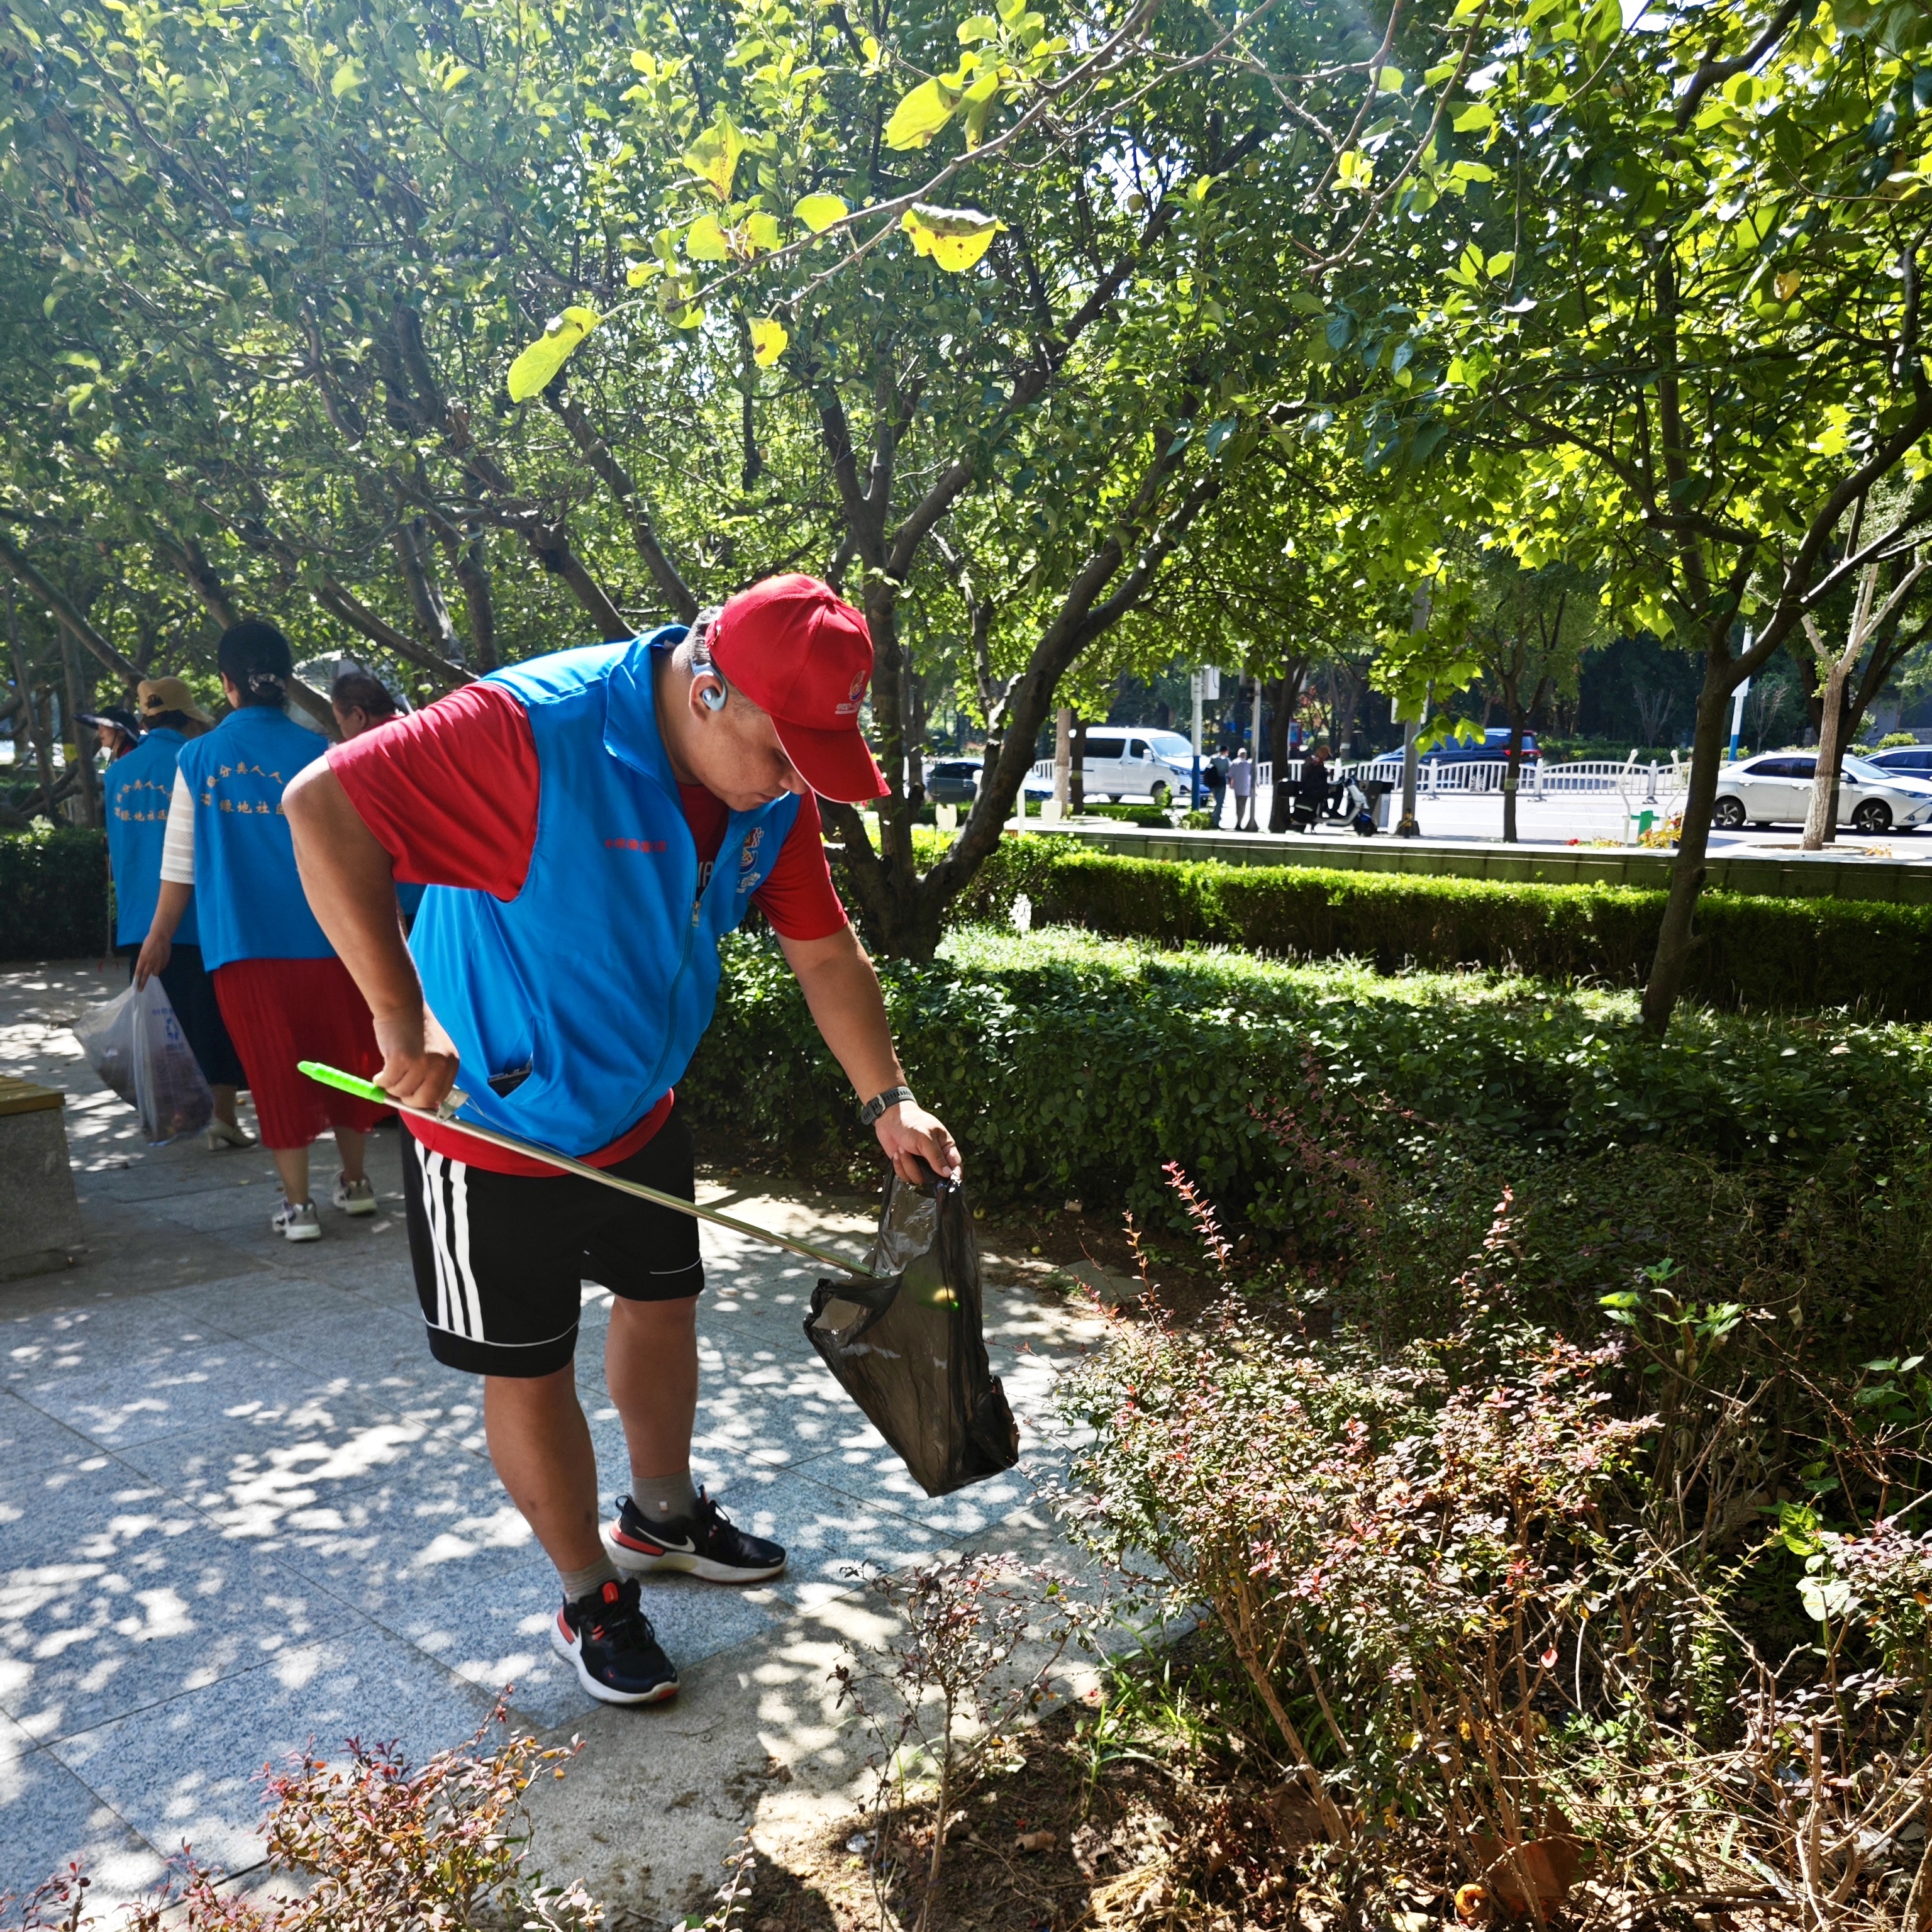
[[879, 1102]]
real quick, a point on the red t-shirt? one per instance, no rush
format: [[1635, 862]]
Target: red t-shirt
[[451, 793]]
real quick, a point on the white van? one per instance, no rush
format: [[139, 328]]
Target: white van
[[1135, 761]]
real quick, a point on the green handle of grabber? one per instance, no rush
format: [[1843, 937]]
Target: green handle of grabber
[[349, 1083], [368, 1089]]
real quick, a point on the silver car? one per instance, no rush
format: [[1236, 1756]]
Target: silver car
[[1775, 789]]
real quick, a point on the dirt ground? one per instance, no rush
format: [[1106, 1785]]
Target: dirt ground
[[1092, 1823]]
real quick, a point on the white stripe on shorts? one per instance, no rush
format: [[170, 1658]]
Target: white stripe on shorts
[[459, 1250], [459, 1302], [448, 1304]]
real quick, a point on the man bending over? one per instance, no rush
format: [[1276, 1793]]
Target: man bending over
[[589, 825]]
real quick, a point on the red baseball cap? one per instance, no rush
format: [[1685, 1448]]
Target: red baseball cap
[[800, 653]]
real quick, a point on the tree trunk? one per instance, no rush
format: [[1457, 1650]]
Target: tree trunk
[[1821, 818], [1063, 760], [1676, 939], [90, 785], [30, 711], [1287, 689], [1512, 774]]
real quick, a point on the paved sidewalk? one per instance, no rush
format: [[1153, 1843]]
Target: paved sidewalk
[[242, 1510]]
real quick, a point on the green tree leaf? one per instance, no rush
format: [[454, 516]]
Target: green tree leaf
[[956, 238], [713, 156], [563, 335], [922, 115], [704, 240], [819, 211]]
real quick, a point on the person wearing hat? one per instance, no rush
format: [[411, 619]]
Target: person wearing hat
[[362, 702], [135, 790], [116, 729], [589, 826], [282, 992]]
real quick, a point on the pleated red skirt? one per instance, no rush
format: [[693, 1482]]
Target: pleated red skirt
[[281, 1011]]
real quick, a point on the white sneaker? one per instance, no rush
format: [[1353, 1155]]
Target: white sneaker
[[221, 1134], [353, 1197], [297, 1223]]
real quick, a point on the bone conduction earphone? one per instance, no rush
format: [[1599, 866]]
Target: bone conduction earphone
[[713, 697]]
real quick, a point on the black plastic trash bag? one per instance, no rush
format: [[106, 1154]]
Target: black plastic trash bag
[[909, 1347]]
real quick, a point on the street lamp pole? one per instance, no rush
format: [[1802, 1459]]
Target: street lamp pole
[[1406, 826], [1196, 683]]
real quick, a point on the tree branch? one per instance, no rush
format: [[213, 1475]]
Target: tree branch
[[615, 478]]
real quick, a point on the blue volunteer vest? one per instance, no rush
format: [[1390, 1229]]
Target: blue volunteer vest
[[247, 890], [136, 790], [576, 1007]]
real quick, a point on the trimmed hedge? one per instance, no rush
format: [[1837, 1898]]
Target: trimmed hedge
[[1756, 954], [54, 902], [1068, 1064]]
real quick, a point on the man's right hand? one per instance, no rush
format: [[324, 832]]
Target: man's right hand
[[418, 1059]]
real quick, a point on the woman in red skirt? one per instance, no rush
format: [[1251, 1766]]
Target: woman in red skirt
[[284, 994]]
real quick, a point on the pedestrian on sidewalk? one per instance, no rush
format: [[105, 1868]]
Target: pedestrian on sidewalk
[[362, 702], [135, 791], [1311, 788], [282, 992], [116, 730], [1217, 787], [1241, 783], [590, 825]]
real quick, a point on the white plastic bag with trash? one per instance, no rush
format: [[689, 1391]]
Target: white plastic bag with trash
[[135, 1044]]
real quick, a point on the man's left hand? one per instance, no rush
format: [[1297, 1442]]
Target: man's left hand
[[909, 1135]]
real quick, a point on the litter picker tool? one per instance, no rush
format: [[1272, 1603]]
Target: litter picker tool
[[903, 1333], [445, 1117]]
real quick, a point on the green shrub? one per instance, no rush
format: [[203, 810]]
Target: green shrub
[[1154, 817], [54, 901], [1071, 1065], [1765, 955]]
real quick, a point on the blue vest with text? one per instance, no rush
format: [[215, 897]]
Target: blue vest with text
[[247, 891], [576, 1006], [136, 790]]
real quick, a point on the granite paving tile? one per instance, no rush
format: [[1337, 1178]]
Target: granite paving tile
[[30, 1439], [113, 1596], [192, 1383], [189, 1770], [49, 1820]]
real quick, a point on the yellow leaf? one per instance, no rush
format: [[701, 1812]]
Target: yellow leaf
[[768, 341], [956, 238], [714, 155], [921, 115], [761, 233], [819, 211], [704, 240], [1788, 284], [563, 334], [1473, 120]]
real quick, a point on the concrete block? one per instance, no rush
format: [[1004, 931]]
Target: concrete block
[[40, 1220]]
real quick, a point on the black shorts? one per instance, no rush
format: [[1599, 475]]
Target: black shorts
[[501, 1258]]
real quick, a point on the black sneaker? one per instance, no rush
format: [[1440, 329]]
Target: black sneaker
[[611, 1642], [704, 1544]]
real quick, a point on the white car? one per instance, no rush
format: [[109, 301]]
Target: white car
[[1776, 790], [1136, 761]]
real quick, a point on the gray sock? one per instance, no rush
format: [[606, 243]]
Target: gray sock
[[579, 1583], [665, 1498]]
